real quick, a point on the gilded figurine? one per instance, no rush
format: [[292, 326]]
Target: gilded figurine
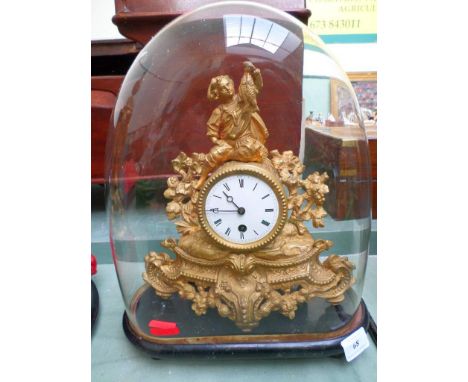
[[235, 127]]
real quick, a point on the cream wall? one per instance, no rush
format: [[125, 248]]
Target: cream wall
[[102, 27], [356, 57]]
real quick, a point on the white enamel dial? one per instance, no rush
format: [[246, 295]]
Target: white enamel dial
[[241, 208]]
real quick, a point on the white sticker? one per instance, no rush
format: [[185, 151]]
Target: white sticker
[[355, 344]]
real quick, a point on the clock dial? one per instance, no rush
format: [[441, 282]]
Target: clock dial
[[242, 207]]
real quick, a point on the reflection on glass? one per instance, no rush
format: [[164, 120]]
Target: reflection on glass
[[319, 64], [241, 29]]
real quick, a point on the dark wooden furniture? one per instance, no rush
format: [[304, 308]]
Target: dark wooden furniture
[[342, 155], [104, 91]]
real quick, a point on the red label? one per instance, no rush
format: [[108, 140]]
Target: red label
[[93, 265], [165, 332], [163, 328]]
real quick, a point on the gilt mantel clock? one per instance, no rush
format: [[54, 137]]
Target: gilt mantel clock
[[218, 207]]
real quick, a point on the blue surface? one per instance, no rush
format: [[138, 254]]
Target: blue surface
[[100, 233], [349, 38], [115, 359]]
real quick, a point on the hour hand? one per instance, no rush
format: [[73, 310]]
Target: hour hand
[[230, 199]]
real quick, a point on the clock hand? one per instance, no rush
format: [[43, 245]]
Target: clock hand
[[230, 199], [216, 210]]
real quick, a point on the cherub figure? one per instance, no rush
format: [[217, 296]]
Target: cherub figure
[[235, 127]]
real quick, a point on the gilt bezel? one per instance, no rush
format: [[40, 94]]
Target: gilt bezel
[[236, 168]]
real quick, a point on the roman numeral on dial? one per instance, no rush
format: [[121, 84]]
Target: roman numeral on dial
[[264, 222], [226, 186], [241, 183], [228, 231], [218, 222]]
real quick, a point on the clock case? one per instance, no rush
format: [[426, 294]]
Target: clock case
[[162, 111]]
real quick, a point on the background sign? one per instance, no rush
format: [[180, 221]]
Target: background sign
[[344, 21]]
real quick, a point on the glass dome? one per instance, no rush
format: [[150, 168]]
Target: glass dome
[[225, 99]]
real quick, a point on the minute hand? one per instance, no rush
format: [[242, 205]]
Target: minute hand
[[216, 210]]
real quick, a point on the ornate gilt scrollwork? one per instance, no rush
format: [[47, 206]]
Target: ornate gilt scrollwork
[[246, 287]]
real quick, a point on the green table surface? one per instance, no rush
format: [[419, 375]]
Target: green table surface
[[115, 359]]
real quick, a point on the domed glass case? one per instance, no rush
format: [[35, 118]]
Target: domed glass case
[[238, 189]]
